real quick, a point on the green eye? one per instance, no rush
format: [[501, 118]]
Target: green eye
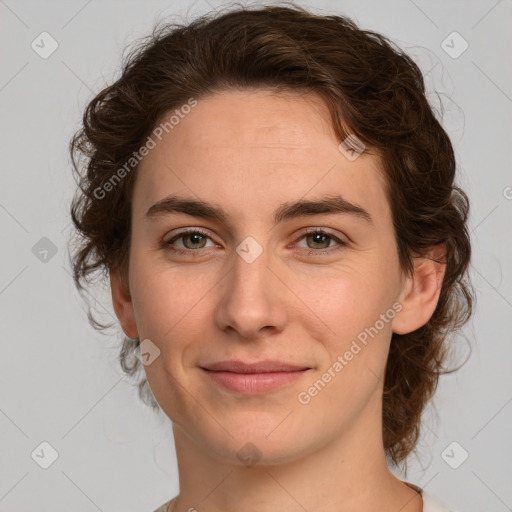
[[319, 236]]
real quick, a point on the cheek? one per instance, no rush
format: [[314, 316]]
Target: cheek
[[351, 299], [358, 312], [163, 302], [361, 334], [170, 302]]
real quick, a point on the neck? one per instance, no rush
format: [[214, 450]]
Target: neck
[[348, 474]]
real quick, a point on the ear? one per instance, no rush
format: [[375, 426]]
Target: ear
[[420, 292], [123, 305]]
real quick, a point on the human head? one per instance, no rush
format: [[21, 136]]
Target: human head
[[369, 88]]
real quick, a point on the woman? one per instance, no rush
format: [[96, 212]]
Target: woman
[[273, 201]]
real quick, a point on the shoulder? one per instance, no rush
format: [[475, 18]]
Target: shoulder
[[164, 507], [430, 502]]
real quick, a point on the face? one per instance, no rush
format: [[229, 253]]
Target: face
[[243, 285]]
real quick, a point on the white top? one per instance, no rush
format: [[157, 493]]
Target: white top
[[430, 502]]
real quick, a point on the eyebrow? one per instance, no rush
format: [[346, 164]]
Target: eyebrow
[[289, 210]]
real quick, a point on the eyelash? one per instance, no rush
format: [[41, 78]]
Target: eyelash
[[311, 252]]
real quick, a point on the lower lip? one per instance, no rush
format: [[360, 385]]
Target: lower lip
[[254, 383]]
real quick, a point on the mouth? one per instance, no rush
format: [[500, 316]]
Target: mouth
[[254, 378]]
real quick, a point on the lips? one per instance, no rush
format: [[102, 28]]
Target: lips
[[254, 378], [267, 366]]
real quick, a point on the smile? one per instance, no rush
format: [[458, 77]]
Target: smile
[[254, 383]]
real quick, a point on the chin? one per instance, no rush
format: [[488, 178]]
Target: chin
[[267, 440]]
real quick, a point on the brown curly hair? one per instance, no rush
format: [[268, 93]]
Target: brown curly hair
[[371, 88]]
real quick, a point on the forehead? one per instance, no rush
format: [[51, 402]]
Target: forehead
[[260, 115], [256, 148]]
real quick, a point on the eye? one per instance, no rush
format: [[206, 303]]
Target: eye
[[319, 237], [193, 240]]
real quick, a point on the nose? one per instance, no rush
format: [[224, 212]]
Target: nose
[[252, 299]]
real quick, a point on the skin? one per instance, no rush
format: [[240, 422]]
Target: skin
[[250, 151]]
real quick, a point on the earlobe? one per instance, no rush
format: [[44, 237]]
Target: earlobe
[[420, 292], [123, 305]]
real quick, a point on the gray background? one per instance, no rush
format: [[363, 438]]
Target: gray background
[[59, 379]]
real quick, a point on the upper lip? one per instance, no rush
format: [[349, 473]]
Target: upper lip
[[258, 367]]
